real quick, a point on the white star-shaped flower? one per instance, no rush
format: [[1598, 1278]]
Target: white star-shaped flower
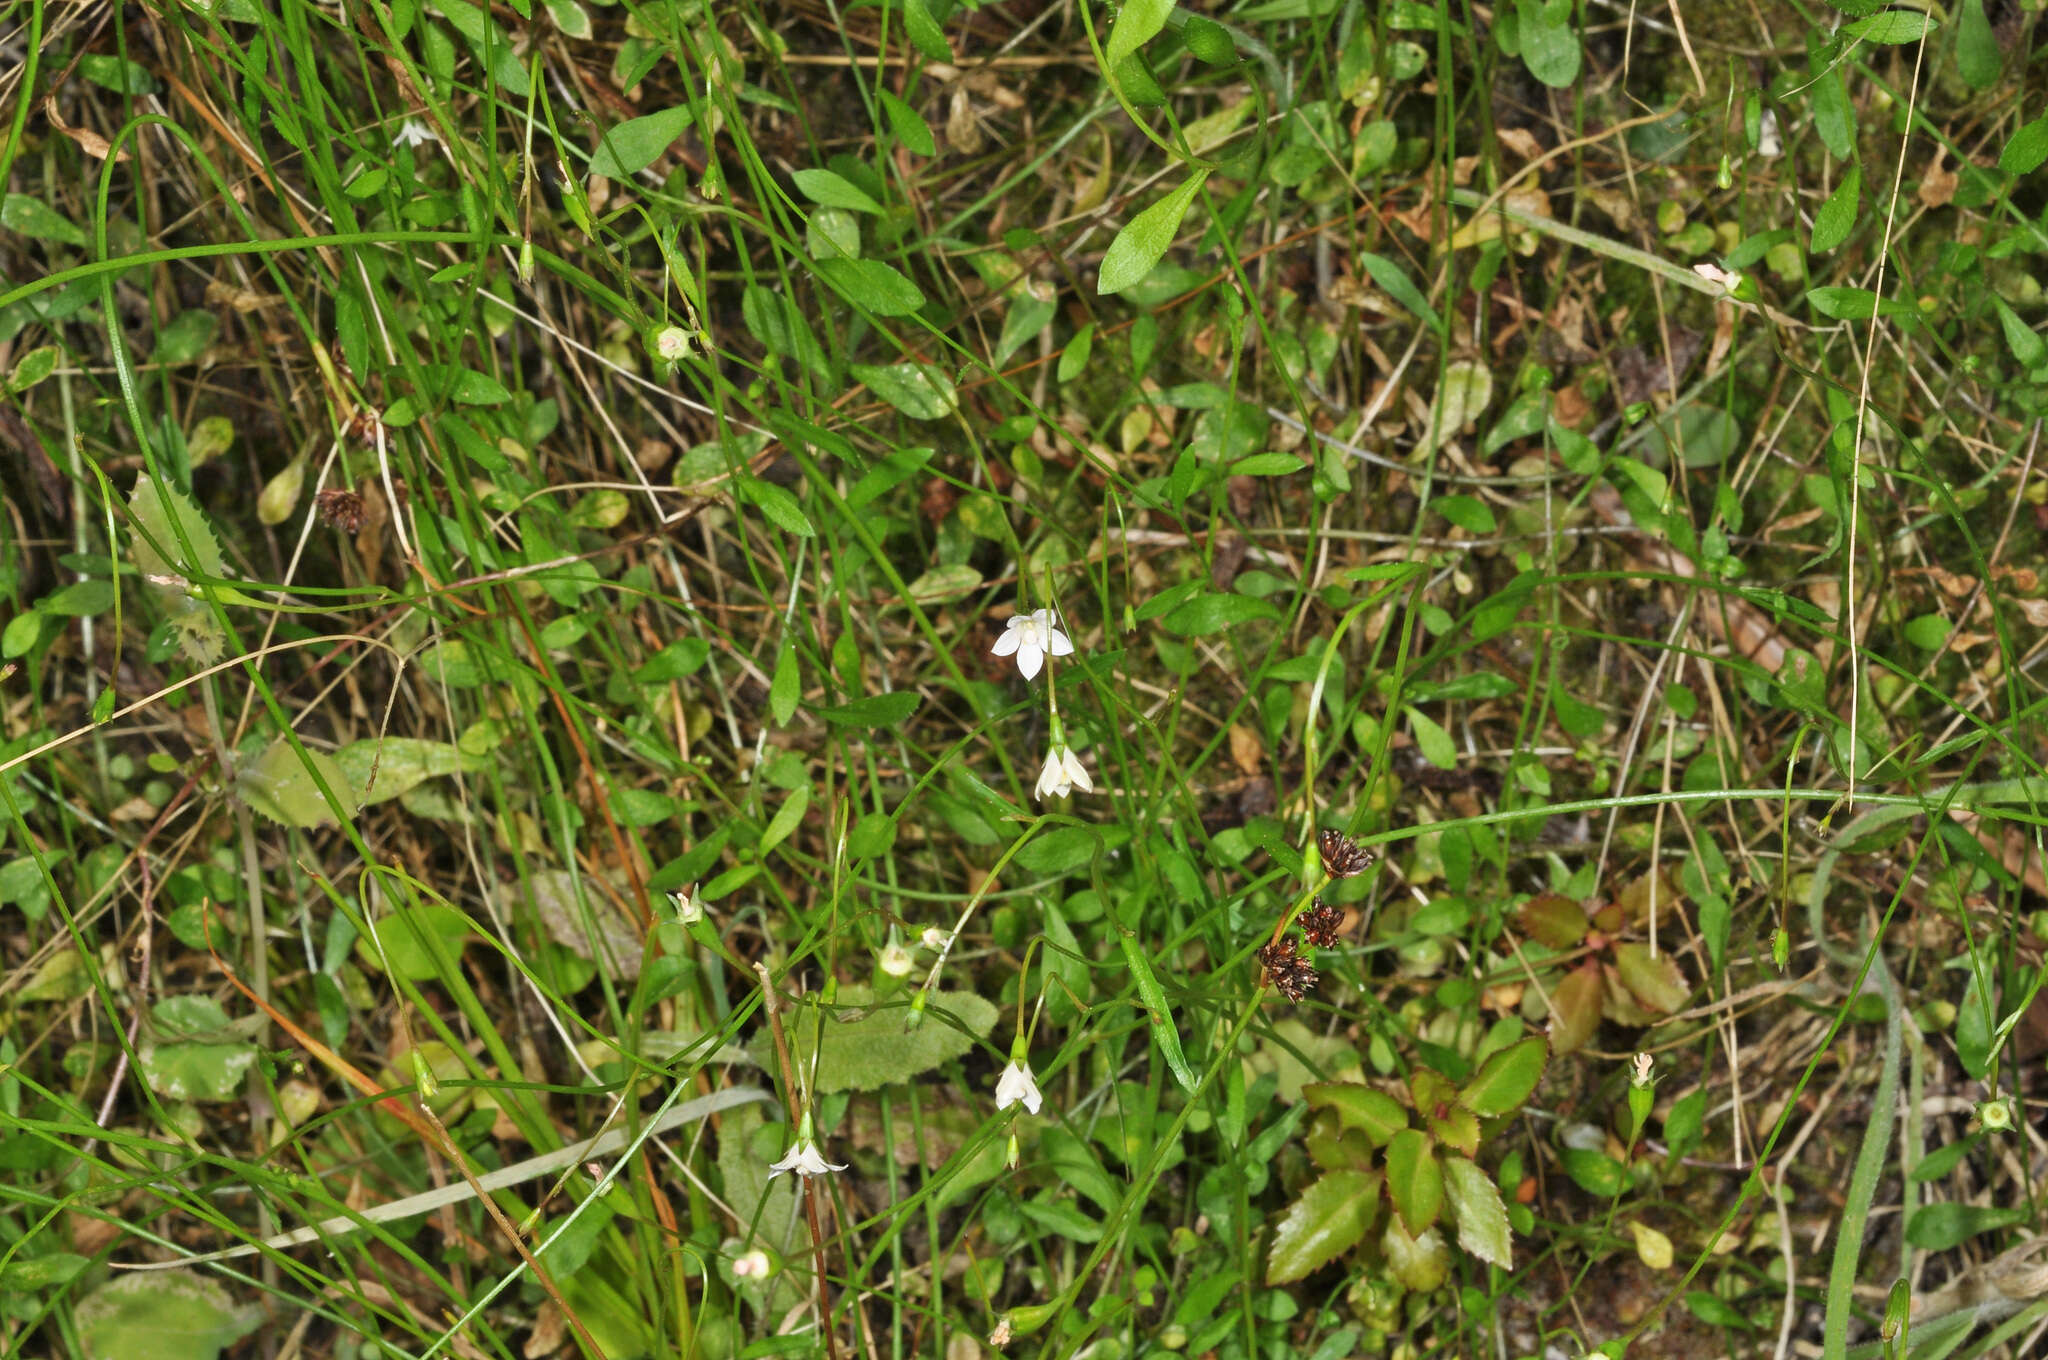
[[1017, 1086], [1063, 773], [412, 132], [1031, 638], [804, 1159]]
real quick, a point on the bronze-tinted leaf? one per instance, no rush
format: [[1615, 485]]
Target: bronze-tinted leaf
[[1575, 1004], [1553, 919], [1654, 979]]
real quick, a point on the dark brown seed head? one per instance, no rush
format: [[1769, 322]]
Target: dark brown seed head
[[1288, 971], [1341, 856], [1321, 923], [341, 510]]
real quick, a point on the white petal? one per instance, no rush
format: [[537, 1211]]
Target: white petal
[[1017, 1086], [1051, 779], [1074, 772], [1030, 656], [1060, 646], [1007, 643]]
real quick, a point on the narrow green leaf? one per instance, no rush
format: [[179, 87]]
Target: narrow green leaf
[[920, 391], [1837, 216], [778, 503], [1074, 358], [1145, 237], [1154, 998], [2026, 344], [33, 217], [785, 686], [1893, 26], [1977, 55], [1938, 1227], [834, 191], [924, 32], [1973, 1027], [786, 820], [1430, 738], [873, 286], [2026, 148], [34, 366], [908, 126], [1833, 118], [1397, 285], [1137, 25], [637, 143]]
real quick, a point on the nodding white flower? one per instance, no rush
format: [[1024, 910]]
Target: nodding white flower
[[1032, 637], [1712, 273], [804, 1157], [1063, 773], [1018, 1087], [412, 132]]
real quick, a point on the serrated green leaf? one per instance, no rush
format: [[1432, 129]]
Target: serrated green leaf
[[382, 768], [280, 785], [1375, 1113], [190, 1051], [173, 547], [1653, 979], [637, 143], [864, 1050], [1415, 1180], [1144, 239], [1331, 1217], [1505, 1080], [165, 1315], [920, 391], [942, 584], [1477, 1209]]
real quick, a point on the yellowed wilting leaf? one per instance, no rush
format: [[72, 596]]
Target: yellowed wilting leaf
[[1485, 226], [1247, 752], [2023, 579], [1616, 204], [962, 133], [221, 293], [1826, 595], [1653, 1248], [1567, 321], [1520, 141], [1937, 184]]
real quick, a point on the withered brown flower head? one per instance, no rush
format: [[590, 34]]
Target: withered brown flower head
[[1321, 923], [341, 510], [1341, 856], [1288, 971]]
